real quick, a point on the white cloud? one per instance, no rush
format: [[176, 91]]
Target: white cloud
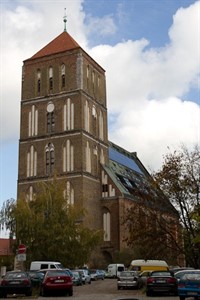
[[104, 26], [144, 85]]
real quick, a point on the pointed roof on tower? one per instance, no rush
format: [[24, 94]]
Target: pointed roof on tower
[[61, 43]]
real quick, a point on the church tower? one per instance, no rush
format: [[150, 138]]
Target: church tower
[[63, 126]]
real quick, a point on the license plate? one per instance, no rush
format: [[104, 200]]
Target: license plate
[[14, 282], [192, 293], [59, 280], [161, 281]]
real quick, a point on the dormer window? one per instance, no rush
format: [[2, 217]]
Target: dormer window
[[50, 78], [63, 75]]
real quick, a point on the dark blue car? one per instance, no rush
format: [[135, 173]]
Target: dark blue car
[[189, 285]]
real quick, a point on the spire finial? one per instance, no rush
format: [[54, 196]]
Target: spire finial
[[65, 20]]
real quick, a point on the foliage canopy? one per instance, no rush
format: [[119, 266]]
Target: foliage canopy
[[50, 227]]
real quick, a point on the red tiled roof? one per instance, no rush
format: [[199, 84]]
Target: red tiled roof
[[6, 246], [61, 43]]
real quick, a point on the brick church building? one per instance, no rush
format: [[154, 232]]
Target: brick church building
[[64, 131]]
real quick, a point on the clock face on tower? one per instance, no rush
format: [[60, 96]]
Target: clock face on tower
[[50, 107]]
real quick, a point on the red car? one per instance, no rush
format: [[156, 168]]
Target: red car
[[56, 281]]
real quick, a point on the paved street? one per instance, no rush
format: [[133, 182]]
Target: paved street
[[107, 290]]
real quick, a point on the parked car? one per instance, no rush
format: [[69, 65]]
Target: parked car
[[36, 278], [128, 279], [161, 282], [16, 282], [56, 281], [86, 277], [179, 274], [189, 285], [96, 274], [101, 274], [76, 278], [177, 269], [143, 277]]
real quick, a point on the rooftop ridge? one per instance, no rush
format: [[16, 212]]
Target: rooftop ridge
[[61, 43]]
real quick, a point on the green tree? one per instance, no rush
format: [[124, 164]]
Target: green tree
[[179, 179], [151, 224], [50, 227]]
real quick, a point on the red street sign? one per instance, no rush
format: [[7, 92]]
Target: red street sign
[[21, 249]]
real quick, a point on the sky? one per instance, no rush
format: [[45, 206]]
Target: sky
[[150, 50]]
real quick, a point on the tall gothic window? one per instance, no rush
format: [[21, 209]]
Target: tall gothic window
[[30, 194], [31, 162], [101, 135], [63, 75], [87, 116], [69, 193], [50, 78], [87, 74], [106, 225], [50, 118], [88, 158], [68, 115], [33, 121], [50, 158], [68, 157], [38, 81]]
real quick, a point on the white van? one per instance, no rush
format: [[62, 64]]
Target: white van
[[38, 265], [114, 270]]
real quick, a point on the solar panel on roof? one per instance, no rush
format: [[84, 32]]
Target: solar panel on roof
[[124, 160]]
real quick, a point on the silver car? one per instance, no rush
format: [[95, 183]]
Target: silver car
[[86, 278], [128, 279]]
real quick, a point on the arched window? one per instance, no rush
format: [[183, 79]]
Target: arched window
[[101, 135], [33, 121], [69, 193], [31, 162], [38, 81], [106, 225], [63, 75], [50, 118], [88, 158], [50, 78], [50, 158], [68, 157], [87, 116], [68, 113], [87, 74]]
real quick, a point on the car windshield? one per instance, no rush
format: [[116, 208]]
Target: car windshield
[[15, 275], [56, 273], [192, 276], [160, 274], [127, 274]]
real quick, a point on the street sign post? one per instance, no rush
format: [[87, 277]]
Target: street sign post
[[21, 249], [21, 257]]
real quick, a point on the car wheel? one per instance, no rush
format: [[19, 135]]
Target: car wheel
[[2, 295], [148, 293], [89, 282], [42, 292], [70, 293], [29, 293], [182, 298]]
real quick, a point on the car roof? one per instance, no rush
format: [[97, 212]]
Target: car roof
[[185, 271]]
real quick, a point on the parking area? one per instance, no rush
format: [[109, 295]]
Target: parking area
[[107, 290]]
